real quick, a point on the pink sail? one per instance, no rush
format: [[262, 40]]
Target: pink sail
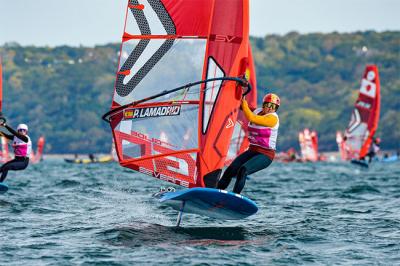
[[37, 156], [308, 141]]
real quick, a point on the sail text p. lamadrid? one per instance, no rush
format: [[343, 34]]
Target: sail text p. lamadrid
[[157, 111]]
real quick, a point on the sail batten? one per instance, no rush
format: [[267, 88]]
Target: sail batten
[[128, 37]]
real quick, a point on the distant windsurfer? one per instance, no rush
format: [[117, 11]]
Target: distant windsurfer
[[22, 148], [263, 133], [373, 149], [92, 158]]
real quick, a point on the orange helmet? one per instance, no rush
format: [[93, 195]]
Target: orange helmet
[[272, 98]]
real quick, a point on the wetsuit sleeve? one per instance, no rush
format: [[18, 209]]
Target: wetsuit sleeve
[[10, 137], [15, 133], [268, 120]]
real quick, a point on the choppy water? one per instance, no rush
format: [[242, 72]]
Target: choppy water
[[325, 213]]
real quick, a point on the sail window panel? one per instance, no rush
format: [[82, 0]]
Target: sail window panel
[[131, 25], [139, 53], [159, 135], [236, 141], [356, 138], [151, 20], [181, 166], [127, 49], [178, 168], [356, 132], [211, 91], [152, 66]]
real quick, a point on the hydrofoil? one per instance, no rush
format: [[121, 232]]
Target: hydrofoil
[[362, 163]]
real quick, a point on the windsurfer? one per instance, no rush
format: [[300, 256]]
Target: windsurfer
[[263, 133], [92, 157], [292, 155], [22, 148], [373, 149]]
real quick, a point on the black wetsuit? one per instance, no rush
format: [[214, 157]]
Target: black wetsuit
[[19, 162], [245, 164], [371, 153]]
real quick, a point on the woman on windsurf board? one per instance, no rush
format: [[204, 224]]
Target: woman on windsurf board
[[263, 133], [22, 148]]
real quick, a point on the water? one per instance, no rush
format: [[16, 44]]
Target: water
[[324, 213]]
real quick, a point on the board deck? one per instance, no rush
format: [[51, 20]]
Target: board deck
[[362, 163], [3, 188], [215, 203]]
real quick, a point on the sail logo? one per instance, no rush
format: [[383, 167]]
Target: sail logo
[[157, 111], [163, 177], [368, 88], [230, 123], [225, 38], [363, 104]]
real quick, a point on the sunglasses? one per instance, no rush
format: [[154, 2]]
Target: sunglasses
[[269, 105], [22, 130]]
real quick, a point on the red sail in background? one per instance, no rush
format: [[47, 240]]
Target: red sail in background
[[239, 141], [1, 86], [308, 145], [365, 117], [5, 156], [183, 136], [37, 156]]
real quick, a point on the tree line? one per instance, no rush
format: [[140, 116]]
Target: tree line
[[62, 92]]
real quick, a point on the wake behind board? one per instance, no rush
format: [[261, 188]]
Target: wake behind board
[[362, 163], [214, 203], [3, 188]]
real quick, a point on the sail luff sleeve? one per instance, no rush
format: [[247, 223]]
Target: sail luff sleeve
[[227, 55]]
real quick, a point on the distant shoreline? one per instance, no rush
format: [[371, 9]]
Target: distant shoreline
[[71, 155]]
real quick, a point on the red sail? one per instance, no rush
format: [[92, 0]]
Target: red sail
[[5, 155], [1, 86], [162, 125], [365, 117]]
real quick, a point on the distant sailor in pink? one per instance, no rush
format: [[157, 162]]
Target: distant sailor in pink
[[262, 134], [22, 148]]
